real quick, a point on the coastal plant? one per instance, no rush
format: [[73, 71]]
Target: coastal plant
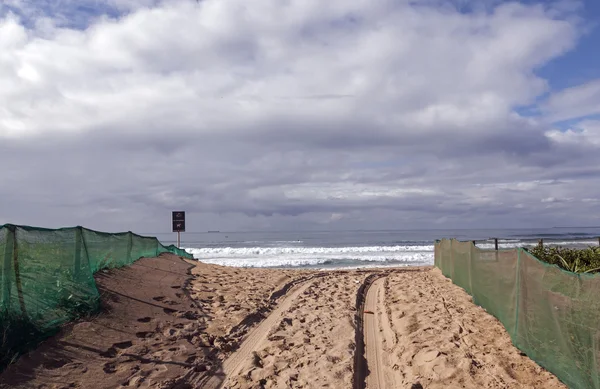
[[18, 335], [575, 260]]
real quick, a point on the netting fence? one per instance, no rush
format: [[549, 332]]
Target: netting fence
[[47, 276], [551, 314]]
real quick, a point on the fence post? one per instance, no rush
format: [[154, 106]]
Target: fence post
[[77, 259], [15, 255], [452, 259], [518, 295], [129, 248], [471, 248], [496, 249], [88, 263], [541, 242], [6, 268]]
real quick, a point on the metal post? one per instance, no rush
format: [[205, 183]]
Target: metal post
[[178, 239]]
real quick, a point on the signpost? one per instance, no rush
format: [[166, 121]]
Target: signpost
[[178, 224]]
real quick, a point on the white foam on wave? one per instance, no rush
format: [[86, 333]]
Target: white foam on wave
[[224, 252], [272, 242], [315, 256], [337, 257]]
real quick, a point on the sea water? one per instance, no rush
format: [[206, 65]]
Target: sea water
[[353, 249]]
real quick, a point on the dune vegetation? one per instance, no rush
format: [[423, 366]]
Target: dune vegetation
[[585, 260]]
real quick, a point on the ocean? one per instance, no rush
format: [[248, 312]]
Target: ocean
[[353, 249]]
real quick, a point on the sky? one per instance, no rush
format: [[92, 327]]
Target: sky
[[299, 114]]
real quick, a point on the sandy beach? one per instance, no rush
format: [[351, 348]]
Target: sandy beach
[[172, 323]]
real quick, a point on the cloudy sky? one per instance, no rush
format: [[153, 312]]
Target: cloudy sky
[[299, 114]]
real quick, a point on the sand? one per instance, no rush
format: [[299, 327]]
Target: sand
[[235, 300], [433, 336], [165, 321], [168, 323], [312, 344]]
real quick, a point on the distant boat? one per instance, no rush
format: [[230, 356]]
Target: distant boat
[[212, 232]]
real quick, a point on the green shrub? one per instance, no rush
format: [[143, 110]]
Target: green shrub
[[575, 260], [18, 335]]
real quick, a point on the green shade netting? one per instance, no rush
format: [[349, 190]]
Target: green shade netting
[[551, 314], [47, 276]]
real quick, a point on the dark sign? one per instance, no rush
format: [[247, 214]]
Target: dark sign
[[178, 221]]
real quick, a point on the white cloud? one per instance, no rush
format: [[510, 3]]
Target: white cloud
[[403, 66], [278, 113], [586, 134], [575, 102]]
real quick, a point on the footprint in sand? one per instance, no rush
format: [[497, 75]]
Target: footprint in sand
[[110, 367], [190, 315], [123, 345], [110, 353], [113, 351], [56, 364], [164, 300], [144, 319], [424, 357]]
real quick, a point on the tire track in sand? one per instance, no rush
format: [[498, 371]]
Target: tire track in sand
[[233, 364], [379, 336], [383, 318]]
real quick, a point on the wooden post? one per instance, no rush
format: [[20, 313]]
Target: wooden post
[[496, 243], [474, 243], [541, 242]]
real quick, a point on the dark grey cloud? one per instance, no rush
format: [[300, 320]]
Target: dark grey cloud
[[290, 116]]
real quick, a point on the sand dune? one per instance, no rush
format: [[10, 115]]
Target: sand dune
[[168, 323], [165, 322]]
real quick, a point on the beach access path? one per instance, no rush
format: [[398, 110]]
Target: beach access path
[[233, 365], [425, 332], [379, 337], [169, 323]]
